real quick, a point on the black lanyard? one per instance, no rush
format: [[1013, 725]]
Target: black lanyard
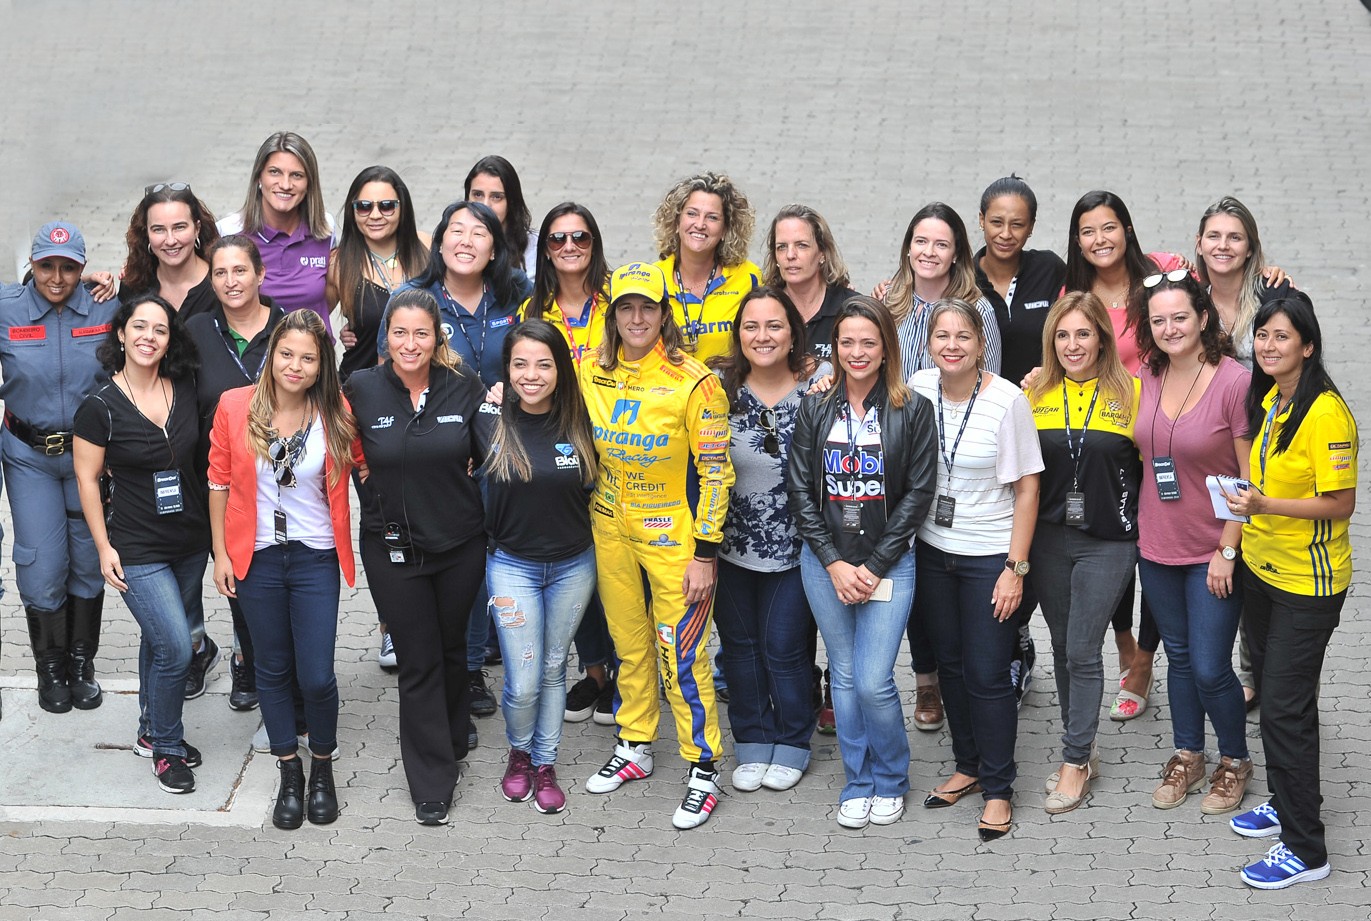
[[480, 315], [1077, 449], [852, 437], [1157, 410], [238, 359], [950, 459]]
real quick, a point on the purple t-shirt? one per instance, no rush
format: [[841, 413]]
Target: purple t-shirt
[[1184, 532], [296, 266]]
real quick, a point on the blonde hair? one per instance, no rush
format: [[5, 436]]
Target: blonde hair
[[961, 282], [1114, 380], [325, 395], [833, 268], [968, 314], [739, 218]]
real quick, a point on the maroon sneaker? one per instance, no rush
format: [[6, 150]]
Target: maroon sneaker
[[548, 798], [517, 785]]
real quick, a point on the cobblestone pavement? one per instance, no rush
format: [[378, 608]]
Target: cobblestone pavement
[[865, 110]]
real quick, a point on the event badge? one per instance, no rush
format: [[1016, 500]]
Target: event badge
[[944, 511], [167, 490], [1075, 508], [1164, 471], [278, 526], [852, 517]]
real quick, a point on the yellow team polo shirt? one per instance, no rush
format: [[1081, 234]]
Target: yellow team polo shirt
[[708, 326], [1292, 554], [582, 331]]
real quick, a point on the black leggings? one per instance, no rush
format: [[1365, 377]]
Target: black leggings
[[1149, 637]]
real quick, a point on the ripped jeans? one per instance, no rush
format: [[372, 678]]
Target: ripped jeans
[[537, 608]]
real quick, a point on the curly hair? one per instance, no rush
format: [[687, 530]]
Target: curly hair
[[140, 267], [739, 218], [181, 359], [1214, 342]]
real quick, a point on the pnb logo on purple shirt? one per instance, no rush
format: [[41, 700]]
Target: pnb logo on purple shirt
[[314, 262]]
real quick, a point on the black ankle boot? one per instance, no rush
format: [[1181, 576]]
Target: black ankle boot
[[323, 799], [83, 625], [290, 804], [48, 634]]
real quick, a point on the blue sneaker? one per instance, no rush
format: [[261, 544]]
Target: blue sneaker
[[1261, 822], [1280, 868]]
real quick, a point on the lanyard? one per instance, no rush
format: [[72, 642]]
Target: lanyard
[[1266, 433], [587, 314], [852, 436], [237, 359], [1157, 410], [692, 331], [380, 269], [950, 459], [480, 316], [1077, 449]]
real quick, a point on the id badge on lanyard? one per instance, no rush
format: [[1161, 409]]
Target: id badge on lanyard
[[1164, 471], [167, 490]]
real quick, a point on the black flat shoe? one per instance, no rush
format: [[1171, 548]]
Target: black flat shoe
[[431, 813], [940, 799], [990, 831]]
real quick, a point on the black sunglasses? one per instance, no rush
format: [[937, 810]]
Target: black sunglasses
[[387, 206], [771, 441], [166, 187], [581, 238]]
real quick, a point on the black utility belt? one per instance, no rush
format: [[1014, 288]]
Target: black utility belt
[[53, 444]]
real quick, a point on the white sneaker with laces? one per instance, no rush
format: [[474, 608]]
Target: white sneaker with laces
[[855, 812], [385, 656], [701, 796], [629, 762], [886, 810], [748, 777], [779, 777]]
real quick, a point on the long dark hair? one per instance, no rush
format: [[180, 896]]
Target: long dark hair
[[1213, 340], [545, 281], [181, 358], [518, 219], [734, 367], [569, 416], [353, 256], [499, 272], [1080, 274], [868, 308], [310, 209], [140, 267], [1314, 378]]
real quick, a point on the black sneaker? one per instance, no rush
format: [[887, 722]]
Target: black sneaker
[[582, 700], [143, 749], [173, 773], [243, 696], [200, 664], [1021, 666], [471, 736], [604, 706], [482, 702]]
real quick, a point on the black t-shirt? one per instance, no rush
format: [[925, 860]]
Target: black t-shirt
[[135, 449], [370, 307], [199, 299], [547, 518], [819, 328], [1041, 276]]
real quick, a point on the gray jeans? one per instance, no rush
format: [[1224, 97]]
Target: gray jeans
[[1079, 580]]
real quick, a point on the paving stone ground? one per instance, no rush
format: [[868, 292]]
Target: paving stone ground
[[865, 110]]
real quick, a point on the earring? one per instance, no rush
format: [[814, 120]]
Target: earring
[[197, 242], [150, 252]]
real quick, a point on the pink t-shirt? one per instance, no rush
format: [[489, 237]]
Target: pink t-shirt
[[1184, 531]]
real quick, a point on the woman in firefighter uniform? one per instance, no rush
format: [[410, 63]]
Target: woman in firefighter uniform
[[655, 411], [50, 328]]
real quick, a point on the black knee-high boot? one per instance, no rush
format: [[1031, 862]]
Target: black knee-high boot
[[48, 635], [83, 642]]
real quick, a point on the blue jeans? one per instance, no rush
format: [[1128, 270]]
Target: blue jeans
[[536, 608], [1078, 579], [290, 600], [973, 651], [863, 641], [162, 597], [1198, 630], [763, 622]]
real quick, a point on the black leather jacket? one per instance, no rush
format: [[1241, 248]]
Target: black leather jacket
[[909, 440]]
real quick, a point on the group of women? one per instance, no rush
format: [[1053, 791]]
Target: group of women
[[564, 454]]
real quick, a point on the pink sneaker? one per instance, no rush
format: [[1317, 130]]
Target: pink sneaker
[[517, 785], [548, 798]]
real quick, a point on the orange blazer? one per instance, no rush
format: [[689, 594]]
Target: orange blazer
[[232, 464]]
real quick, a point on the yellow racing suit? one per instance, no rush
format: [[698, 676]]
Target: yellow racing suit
[[650, 418]]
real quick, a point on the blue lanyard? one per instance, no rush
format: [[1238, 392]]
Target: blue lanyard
[[1077, 449], [692, 330], [950, 459], [237, 359], [1266, 434], [480, 315]]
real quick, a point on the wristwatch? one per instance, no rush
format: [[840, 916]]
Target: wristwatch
[[1018, 567], [1228, 553]]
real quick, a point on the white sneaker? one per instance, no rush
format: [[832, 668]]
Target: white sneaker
[[886, 810], [629, 762], [701, 796], [385, 656], [854, 813], [780, 777], [748, 777]]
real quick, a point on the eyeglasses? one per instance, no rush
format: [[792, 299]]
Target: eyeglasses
[[581, 238], [166, 187], [1152, 281], [771, 441], [387, 206]]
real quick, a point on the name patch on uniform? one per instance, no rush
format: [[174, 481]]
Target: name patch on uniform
[[28, 333], [83, 331], [457, 417]]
